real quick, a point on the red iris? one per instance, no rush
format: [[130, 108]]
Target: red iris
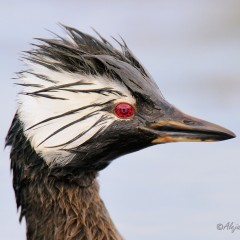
[[124, 110]]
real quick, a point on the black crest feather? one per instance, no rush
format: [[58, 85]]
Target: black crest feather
[[77, 53]]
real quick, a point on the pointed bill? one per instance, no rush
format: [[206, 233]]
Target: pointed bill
[[180, 127]]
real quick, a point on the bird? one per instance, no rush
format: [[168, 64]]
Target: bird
[[84, 103]]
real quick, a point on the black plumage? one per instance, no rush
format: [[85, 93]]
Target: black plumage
[[55, 185]]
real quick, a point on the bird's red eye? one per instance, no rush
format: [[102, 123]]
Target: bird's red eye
[[124, 110]]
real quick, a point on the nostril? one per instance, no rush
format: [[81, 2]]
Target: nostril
[[189, 122]]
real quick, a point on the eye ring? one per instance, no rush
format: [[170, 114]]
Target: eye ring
[[124, 110]]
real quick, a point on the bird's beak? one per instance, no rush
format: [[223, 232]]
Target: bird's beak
[[179, 127]]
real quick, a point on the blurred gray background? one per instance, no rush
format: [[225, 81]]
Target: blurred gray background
[[192, 49]]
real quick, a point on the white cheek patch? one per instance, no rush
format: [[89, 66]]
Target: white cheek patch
[[61, 110]]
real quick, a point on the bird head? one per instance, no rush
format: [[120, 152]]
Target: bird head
[[85, 103]]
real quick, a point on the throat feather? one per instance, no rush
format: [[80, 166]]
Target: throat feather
[[69, 209]]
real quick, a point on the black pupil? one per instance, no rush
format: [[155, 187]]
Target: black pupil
[[124, 110]]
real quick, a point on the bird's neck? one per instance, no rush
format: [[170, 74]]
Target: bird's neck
[[60, 209]]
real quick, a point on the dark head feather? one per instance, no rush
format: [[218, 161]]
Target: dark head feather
[[74, 64], [85, 54]]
